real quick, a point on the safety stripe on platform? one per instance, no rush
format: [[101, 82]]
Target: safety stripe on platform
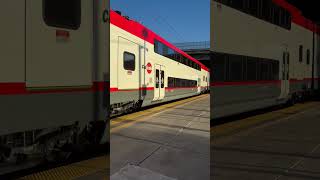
[[74, 171], [236, 126], [130, 119]]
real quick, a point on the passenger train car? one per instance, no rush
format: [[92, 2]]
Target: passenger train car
[[54, 77], [264, 53], [146, 69]]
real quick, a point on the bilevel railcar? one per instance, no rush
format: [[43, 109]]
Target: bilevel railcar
[[51, 91], [146, 69], [264, 53]]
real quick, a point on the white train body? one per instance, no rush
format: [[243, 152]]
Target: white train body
[[141, 75], [51, 78], [237, 34]]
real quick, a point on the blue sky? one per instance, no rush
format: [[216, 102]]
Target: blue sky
[[174, 20]]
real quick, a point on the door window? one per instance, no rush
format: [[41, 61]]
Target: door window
[[157, 78], [162, 79], [288, 63], [62, 13], [284, 66], [129, 62]]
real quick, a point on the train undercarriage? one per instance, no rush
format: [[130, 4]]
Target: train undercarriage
[[126, 107], [50, 144]]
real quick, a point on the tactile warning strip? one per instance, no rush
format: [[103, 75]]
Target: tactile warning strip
[[74, 171]]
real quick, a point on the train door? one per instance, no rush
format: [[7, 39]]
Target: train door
[[59, 43], [159, 88], [129, 56], [285, 85]]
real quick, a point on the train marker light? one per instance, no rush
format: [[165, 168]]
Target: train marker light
[[62, 35], [149, 68]]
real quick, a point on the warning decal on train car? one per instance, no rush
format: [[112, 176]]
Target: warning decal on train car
[[149, 68]]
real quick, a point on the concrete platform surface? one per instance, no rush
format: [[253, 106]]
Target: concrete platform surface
[[131, 172], [283, 148], [172, 140]]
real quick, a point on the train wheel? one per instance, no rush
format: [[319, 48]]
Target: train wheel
[[292, 101], [138, 105]]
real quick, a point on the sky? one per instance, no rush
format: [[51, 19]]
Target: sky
[[174, 20]]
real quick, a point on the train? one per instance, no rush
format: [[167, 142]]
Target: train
[[147, 70], [54, 78], [264, 53]]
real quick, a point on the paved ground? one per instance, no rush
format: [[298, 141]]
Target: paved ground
[[166, 142], [280, 145]]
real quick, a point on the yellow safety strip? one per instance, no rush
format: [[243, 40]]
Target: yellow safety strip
[[73, 171], [131, 119], [229, 128]]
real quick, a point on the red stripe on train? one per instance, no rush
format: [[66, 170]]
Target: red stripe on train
[[12, 88], [128, 90], [21, 88]]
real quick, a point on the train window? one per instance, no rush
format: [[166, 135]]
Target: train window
[[62, 13], [264, 71], [251, 69], [253, 8], [177, 82], [190, 63], [289, 21], [237, 4], [158, 47], [265, 9], [170, 53], [244, 66], [129, 61], [281, 17], [308, 56], [165, 50], [219, 66], [275, 70], [235, 68], [271, 13], [276, 15], [178, 57], [170, 82], [300, 53], [183, 59]]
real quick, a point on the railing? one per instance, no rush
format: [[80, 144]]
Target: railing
[[193, 45]]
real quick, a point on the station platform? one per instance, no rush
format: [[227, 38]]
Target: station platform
[[167, 142], [282, 144], [170, 141]]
